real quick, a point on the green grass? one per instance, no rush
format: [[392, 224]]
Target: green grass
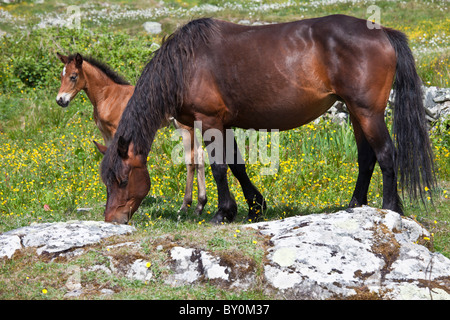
[[49, 166]]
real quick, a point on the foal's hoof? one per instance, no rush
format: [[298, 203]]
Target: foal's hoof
[[184, 208], [199, 208], [198, 211]]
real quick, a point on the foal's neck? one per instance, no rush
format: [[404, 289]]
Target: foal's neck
[[96, 84]]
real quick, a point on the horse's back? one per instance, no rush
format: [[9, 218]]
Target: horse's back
[[297, 69]]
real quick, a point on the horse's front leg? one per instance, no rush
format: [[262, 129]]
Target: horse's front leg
[[227, 207], [214, 141]]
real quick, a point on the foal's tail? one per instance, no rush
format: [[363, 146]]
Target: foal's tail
[[414, 156]]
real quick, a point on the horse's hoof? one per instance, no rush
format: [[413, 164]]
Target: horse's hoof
[[217, 219], [223, 214], [253, 217], [255, 212]]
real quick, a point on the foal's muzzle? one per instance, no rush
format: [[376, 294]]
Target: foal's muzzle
[[62, 102], [63, 99]]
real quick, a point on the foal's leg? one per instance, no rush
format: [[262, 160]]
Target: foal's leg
[[366, 164], [197, 151], [188, 145], [255, 201], [194, 160]]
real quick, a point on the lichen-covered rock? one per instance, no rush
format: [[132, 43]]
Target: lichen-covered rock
[[359, 253], [59, 236], [190, 265], [139, 270], [338, 255], [8, 245]]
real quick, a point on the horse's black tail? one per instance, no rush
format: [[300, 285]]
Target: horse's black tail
[[414, 156]]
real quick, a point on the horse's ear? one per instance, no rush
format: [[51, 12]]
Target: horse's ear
[[122, 147], [63, 59], [100, 147], [78, 60]]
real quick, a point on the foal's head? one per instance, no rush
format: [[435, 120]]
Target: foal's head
[[72, 79], [126, 178]]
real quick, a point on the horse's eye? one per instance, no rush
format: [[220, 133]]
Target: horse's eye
[[123, 184], [73, 77]]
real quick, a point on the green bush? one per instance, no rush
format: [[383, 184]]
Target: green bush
[[29, 60]]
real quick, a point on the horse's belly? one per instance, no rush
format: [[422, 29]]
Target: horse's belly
[[281, 117]]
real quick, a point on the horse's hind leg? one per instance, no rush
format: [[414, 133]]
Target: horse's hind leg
[[366, 165], [255, 201], [377, 135]]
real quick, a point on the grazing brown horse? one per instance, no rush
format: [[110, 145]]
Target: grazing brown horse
[[109, 94], [275, 77]]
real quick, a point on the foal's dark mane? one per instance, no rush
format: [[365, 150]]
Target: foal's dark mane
[[158, 93], [110, 73]]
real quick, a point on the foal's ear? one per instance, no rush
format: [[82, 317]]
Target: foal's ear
[[100, 147], [122, 147], [63, 59], [78, 60]]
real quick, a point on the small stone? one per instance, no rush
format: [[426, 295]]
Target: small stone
[[152, 27], [107, 292], [139, 271], [74, 293], [9, 244]]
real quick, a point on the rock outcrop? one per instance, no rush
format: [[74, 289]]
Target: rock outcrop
[[366, 252], [362, 253], [58, 237]]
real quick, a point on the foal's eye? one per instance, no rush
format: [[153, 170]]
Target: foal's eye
[[73, 77]]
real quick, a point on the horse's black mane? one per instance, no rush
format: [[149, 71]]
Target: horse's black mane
[[114, 76], [158, 93]]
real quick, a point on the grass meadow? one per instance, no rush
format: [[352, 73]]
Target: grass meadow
[[49, 167]]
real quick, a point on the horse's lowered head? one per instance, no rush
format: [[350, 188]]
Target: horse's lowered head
[[127, 181], [72, 78]]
